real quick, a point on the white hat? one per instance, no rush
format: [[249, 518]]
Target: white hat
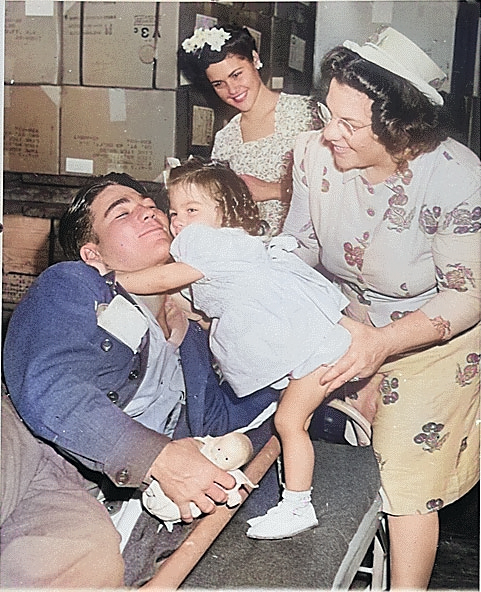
[[394, 52]]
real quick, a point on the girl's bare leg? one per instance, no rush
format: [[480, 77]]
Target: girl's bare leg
[[292, 420], [413, 542], [295, 513]]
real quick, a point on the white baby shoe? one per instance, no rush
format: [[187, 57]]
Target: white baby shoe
[[285, 520]]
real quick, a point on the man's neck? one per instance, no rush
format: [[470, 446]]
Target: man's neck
[[155, 304]]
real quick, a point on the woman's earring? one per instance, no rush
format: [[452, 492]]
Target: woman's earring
[[258, 64]]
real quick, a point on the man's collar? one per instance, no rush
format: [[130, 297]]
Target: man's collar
[[109, 278]]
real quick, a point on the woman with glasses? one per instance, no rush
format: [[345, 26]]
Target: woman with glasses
[[391, 207], [258, 141]]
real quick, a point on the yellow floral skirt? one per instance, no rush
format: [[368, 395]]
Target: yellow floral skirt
[[426, 432]]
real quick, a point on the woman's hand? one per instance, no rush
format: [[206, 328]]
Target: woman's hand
[[262, 190], [371, 346], [368, 351]]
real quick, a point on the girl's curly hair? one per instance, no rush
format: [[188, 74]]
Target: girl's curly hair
[[218, 181], [403, 118]]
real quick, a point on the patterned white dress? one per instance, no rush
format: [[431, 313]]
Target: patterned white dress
[[273, 317], [269, 158]]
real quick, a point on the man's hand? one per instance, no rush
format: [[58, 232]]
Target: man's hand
[[190, 312], [176, 321], [186, 475]]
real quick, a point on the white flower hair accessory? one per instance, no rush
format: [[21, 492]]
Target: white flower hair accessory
[[213, 37]]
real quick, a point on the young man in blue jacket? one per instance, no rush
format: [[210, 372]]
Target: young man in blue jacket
[[103, 387]]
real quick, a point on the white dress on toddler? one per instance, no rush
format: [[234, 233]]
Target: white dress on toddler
[[273, 316]]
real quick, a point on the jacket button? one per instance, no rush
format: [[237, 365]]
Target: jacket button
[[106, 345], [113, 506], [133, 374], [113, 396], [122, 477]]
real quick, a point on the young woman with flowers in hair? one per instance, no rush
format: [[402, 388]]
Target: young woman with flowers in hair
[[258, 141]]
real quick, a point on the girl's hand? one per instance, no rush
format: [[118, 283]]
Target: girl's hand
[[368, 351], [176, 321]]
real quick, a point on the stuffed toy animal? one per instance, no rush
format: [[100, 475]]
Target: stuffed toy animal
[[229, 452]]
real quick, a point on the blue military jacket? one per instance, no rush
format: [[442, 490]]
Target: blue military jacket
[[70, 379]]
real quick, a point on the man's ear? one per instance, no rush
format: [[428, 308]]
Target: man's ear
[[90, 254]]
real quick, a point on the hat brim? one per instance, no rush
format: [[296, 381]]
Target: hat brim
[[372, 53]]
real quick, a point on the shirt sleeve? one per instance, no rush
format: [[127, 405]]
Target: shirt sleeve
[[456, 249], [59, 376], [217, 147], [298, 222]]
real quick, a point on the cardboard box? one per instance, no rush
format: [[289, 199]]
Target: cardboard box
[[112, 129], [32, 42], [71, 43], [25, 244], [31, 129], [166, 74], [118, 41], [14, 287], [25, 254]]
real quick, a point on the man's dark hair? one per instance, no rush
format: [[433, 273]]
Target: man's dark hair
[[75, 229]]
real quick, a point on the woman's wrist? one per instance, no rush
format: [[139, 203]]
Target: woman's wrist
[[415, 330]]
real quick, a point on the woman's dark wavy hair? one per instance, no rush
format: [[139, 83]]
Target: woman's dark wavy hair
[[241, 44], [403, 118], [228, 190], [75, 229]]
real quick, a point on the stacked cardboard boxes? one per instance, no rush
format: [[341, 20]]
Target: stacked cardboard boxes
[[82, 94], [116, 129], [32, 125], [94, 86], [24, 256]]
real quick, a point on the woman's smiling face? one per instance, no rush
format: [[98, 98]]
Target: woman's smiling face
[[362, 149], [236, 81]]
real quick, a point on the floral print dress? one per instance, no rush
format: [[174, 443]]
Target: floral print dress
[[269, 158], [411, 242]]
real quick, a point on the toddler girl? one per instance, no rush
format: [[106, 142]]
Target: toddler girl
[[275, 321]]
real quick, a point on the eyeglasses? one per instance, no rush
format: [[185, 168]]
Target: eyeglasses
[[347, 129]]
